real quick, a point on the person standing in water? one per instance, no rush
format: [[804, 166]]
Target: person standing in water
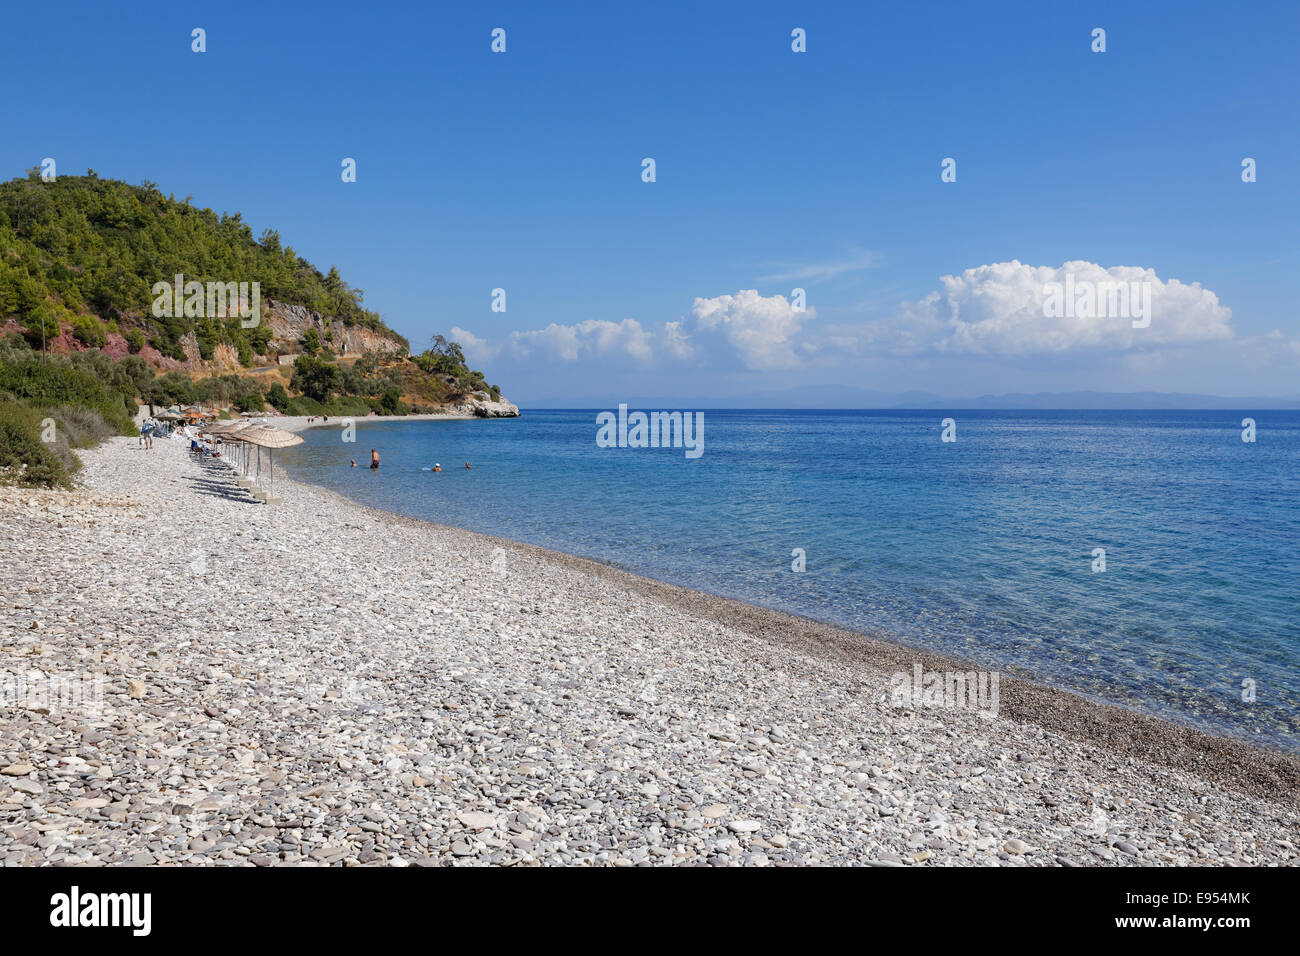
[[374, 460]]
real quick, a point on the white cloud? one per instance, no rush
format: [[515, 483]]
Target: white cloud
[[594, 337], [762, 329], [998, 309], [475, 348], [677, 342], [994, 310], [825, 270]]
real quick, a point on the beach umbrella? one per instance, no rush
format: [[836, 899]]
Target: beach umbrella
[[269, 438], [228, 432], [234, 433]]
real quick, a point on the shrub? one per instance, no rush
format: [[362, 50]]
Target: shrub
[[56, 382], [278, 397], [80, 427], [40, 325], [88, 331], [304, 405], [391, 401], [24, 458], [251, 402]]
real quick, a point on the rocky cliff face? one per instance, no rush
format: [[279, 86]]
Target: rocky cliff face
[[484, 408], [288, 324]]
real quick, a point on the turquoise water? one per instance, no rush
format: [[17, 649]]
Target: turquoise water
[[981, 548]]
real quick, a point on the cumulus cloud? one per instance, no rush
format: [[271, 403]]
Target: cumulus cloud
[[676, 341], [764, 330], [1013, 309], [1000, 309], [594, 337], [475, 348], [1003, 309]]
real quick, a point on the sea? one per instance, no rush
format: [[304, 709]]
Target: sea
[[1149, 559]]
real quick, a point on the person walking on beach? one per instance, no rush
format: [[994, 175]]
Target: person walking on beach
[[374, 460]]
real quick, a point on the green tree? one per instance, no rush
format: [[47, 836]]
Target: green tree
[[41, 325], [277, 397], [314, 378], [310, 341]]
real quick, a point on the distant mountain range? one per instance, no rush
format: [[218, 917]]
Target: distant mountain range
[[848, 396]]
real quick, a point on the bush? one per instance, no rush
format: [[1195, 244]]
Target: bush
[[56, 382], [173, 388], [88, 331], [251, 402], [391, 401], [304, 405], [80, 427], [277, 397], [134, 340], [40, 325], [24, 458]]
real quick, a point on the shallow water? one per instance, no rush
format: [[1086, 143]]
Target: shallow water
[[981, 548]]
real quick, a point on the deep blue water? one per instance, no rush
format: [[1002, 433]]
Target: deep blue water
[[980, 548]]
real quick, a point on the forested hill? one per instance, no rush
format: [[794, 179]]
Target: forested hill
[[93, 325], [79, 247]]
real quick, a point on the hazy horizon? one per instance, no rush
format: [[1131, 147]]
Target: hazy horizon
[[1057, 401]]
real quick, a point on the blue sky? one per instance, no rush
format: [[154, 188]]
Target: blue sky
[[775, 170]]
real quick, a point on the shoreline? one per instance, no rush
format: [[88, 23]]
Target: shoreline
[[331, 684], [298, 423]]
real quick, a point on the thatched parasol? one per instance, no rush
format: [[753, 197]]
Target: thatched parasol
[[269, 438], [227, 432]]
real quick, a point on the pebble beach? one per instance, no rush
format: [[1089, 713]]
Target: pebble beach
[[318, 683]]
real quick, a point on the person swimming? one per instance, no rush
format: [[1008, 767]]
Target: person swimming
[[354, 463], [437, 467], [466, 466], [374, 460]]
